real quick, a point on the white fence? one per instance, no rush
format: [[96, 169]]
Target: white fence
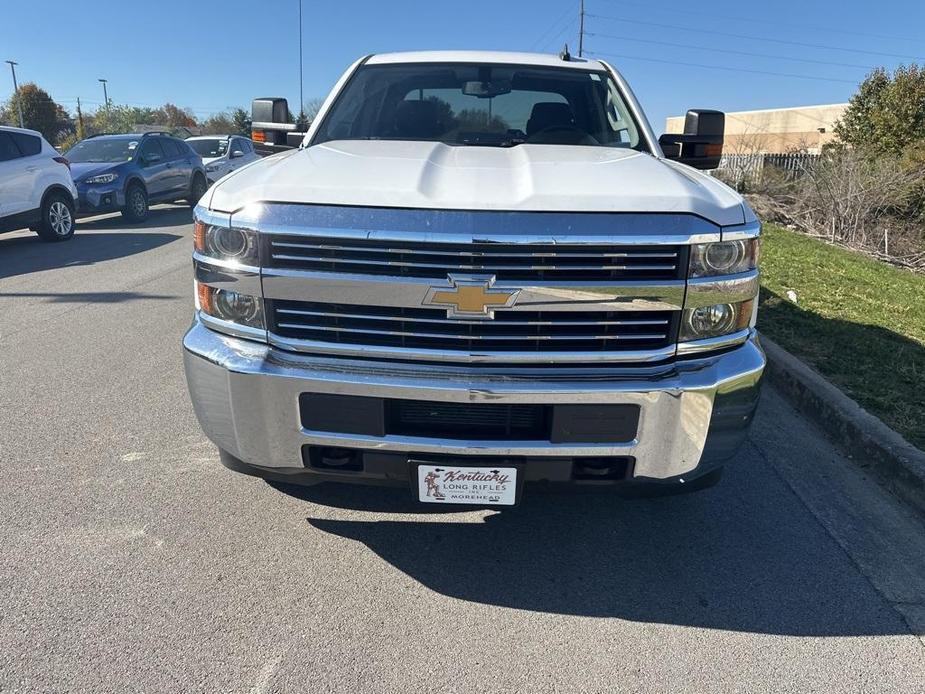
[[750, 168]]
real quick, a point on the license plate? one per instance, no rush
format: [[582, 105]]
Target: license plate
[[483, 486]]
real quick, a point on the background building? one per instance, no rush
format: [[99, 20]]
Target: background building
[[775, 131]]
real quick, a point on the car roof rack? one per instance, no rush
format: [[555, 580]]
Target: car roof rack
[[138, 135]]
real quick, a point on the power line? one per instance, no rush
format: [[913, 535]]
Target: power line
[[730, 51], [752, 37], [728, 69], [568, 26], [764, 22], [545, 34]]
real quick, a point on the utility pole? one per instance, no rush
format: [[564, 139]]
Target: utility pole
[[13, 65], [105, 93], [301, 95], [581, 27], [81, 133]]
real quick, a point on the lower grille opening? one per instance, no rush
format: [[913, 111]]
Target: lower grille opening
[[464, 420], [468, 421]]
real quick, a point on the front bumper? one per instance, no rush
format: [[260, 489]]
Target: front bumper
[[99, 198], [694, 413]]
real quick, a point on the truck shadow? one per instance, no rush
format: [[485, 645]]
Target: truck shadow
[[744, 556]]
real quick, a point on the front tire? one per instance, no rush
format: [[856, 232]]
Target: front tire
[[57, 218], [198, 189], [136, 204]]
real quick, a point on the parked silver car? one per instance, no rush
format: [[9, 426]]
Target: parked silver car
[[222, 154]]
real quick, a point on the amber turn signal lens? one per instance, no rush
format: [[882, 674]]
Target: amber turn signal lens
[[258, 136], [205, 294], [199, 237], [744, 317]]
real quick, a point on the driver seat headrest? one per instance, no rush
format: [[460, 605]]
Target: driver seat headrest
[[547, 114]]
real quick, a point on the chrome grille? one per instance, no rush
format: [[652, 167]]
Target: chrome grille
[[510, 331], [506, 261]]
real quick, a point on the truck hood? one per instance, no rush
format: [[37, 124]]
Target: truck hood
[[377, 173]]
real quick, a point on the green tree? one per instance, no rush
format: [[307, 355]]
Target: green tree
[[888, 112], [218, 124], [116, 119], [241, 122], [39, 112]]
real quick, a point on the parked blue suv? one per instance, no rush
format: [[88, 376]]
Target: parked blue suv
[[131, 172]]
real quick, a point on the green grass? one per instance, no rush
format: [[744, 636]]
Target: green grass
[[859, 322]]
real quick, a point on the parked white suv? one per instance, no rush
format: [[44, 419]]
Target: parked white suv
[[36, 189], [222, 154]]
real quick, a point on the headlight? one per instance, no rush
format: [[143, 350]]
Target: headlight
[[714, 321], [226, 243], [230, 306], [102, 178], [724, 257]]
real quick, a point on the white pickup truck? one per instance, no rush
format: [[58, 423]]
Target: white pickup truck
[[478, 270]]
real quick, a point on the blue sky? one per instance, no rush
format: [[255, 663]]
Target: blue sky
[[210, 56]]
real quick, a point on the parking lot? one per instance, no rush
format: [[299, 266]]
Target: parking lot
[[131, 560]]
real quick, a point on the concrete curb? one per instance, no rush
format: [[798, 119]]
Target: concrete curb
[[897, 464]]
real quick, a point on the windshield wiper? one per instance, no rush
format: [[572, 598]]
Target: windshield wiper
[[512, 142]]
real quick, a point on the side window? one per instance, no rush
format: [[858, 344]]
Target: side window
[[8, 149], [29, 145], [172, 148], [152, 146], [248, 147]]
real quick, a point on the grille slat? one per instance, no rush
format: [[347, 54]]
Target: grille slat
[[426, 328], [447, 321], [506, 261], [477, 254], [371, 331], [463, 267]]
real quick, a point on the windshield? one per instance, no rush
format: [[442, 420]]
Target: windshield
[[481, 104], [212, 147], [99, 150]]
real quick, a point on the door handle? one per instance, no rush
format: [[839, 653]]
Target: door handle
[[169, 165], [32, 168]]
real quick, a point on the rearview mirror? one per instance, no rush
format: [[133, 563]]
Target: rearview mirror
[[701, 144], [237, 153], [486, 90]]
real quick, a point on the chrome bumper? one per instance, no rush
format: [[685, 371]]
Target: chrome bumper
[[694, 412]]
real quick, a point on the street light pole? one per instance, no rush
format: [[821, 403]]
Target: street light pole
[[13, 65], [105, 93]]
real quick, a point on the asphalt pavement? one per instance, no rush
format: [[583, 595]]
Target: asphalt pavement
[[131, 560]]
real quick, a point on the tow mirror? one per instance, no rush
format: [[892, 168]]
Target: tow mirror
[[701, 144], [270, 122]]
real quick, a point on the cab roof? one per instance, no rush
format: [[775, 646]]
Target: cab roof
[[499, 57]]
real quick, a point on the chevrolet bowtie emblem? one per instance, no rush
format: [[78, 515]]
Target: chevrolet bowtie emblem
[[470, 297]]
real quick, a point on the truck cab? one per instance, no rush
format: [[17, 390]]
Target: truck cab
[[478, 271]]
